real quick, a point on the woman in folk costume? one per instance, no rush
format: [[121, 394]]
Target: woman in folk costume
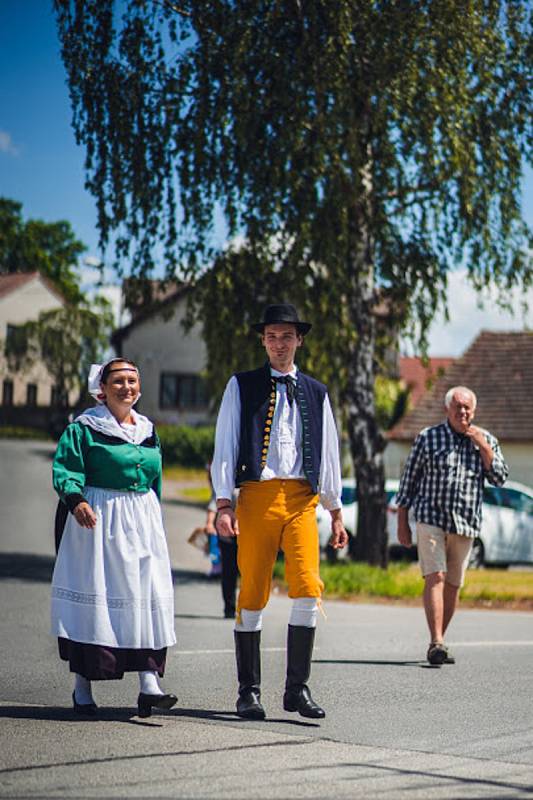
[[276, 439], [112, 593]]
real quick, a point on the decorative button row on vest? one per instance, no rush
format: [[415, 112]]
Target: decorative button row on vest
[[268, 422]]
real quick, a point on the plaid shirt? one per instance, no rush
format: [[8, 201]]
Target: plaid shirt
[[444, 476]]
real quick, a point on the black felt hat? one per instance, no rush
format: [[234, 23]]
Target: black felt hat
[[282, 313]]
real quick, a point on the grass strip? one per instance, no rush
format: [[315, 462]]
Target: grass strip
[[401, 580]]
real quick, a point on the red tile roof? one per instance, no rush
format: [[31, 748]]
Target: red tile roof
[[12, 281], [498, 367], [419, 377]]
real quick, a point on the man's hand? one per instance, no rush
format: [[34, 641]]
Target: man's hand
[[485, 450], [339, 537], [226, 523], [405, 537], [85, 516]]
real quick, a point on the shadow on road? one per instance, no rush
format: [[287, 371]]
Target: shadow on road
[[26, 567], [47, 455], [373, 662], [231, 716], [129, 715], [39, 568]]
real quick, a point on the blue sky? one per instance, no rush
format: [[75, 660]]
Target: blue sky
[[41, 166]]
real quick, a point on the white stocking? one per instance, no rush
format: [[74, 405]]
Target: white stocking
[[304, 611], [149, 683], [82, 691], [250, 621]]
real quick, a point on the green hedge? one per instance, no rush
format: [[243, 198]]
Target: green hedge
[[186, 446], [20, 432]]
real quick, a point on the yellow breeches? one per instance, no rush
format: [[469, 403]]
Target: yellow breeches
[[277, 515]]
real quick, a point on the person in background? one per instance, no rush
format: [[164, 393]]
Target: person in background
[[443, 483], [229, 571], [276, 439], [112, 592]]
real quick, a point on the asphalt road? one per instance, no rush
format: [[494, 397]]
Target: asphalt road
[[394, 726]]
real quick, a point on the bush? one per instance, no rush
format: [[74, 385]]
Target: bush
[[20, 432], [186, 446]]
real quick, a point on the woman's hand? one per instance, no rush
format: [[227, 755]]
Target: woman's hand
[[85, 516]]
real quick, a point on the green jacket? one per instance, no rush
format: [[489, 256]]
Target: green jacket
[[85, 457]]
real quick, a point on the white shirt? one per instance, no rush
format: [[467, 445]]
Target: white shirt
[[284, 458]]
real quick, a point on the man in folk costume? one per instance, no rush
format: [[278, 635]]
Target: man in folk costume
[[276, 440]]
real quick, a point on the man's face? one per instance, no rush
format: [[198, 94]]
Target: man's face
[[281, 341], [461, 411]]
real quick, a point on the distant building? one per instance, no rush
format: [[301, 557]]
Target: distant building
[[419, 377], [24, 394], [498, 367], [170, 360]]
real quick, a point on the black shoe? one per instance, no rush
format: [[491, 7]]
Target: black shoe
[[298, 698], [229, 613], [437, 654], [87, 709], [249, 705], [145, 702], [450, 659], [248, 654]]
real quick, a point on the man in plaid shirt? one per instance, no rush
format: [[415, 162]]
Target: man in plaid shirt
[[443, 483]]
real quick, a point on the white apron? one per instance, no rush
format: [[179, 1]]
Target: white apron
[[112, 584]]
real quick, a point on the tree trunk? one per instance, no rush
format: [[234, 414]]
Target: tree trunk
[[367, 443]]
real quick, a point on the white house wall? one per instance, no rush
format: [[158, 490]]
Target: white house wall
[[22, 304], [160, 345]]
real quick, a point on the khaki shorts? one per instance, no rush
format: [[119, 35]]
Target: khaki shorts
[[439, 551]]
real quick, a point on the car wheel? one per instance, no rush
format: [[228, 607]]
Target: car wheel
[[477, 555]]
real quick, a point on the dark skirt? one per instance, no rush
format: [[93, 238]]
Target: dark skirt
[[97, 662]]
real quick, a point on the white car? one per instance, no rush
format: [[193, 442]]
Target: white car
[[506, 535], [349, 515]]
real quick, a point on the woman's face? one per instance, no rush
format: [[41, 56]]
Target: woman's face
[[122, 385]]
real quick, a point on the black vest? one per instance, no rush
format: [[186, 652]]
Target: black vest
[[258, 399]]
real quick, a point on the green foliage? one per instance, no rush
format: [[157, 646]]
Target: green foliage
[[391, 401], [186, 446], [19, 432], [401, 580], [360, 150], [34, 245]]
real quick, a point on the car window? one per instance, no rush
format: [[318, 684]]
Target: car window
[[518, 501], [349, 495], [491, 496]]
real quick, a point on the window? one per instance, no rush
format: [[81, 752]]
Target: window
[[491, 496], [58, 399], [7, 393], [182, 391], [511, 498], [31, 394], [16, 340], [349, 495]]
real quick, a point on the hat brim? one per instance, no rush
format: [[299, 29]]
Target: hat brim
[[301, 327]]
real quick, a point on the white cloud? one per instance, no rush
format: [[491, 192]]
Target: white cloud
[[7, 145], [468, 318]]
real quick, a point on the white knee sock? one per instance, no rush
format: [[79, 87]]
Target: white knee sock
[[250, 621], [304, 611], [149, 683], [82, 690]]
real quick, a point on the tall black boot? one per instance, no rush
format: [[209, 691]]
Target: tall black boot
[[297, 696], [248, 653]]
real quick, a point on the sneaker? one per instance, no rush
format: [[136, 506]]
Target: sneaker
[[437, 654]]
